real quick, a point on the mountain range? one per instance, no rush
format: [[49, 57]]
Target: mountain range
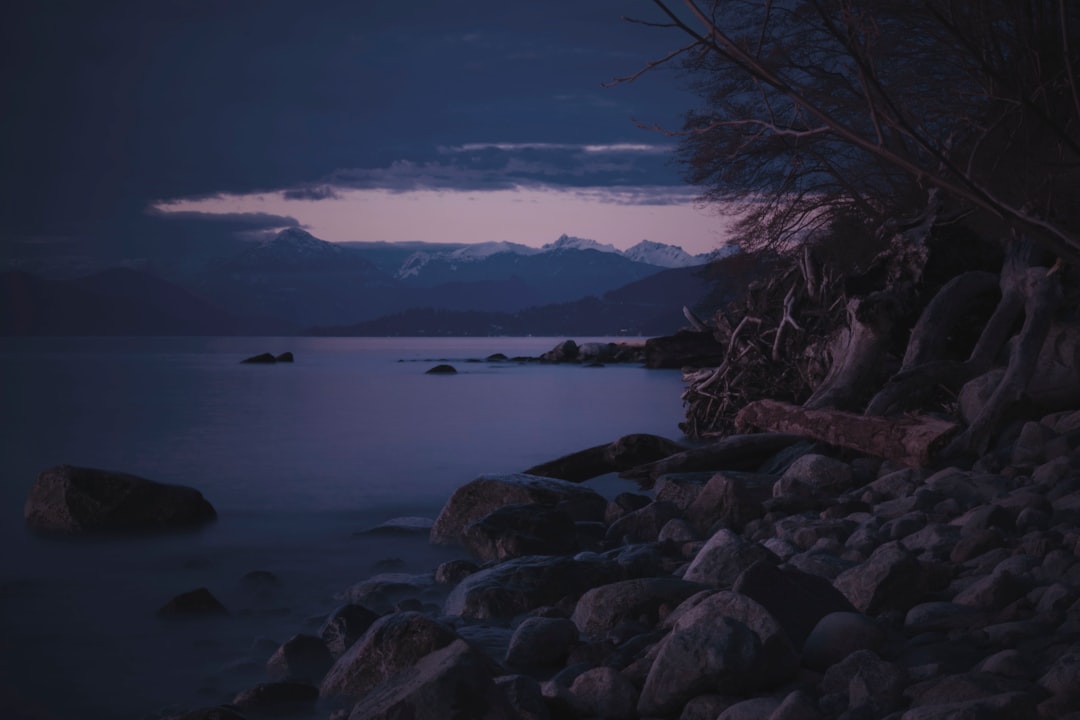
[[292, 282]]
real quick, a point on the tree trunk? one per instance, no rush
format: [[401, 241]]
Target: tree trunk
[[911, 441]]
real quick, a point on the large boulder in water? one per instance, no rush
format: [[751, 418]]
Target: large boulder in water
[[69, 499], [488, 493]]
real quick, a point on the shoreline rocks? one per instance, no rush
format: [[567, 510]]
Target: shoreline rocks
[[812, 585], [76, 500]]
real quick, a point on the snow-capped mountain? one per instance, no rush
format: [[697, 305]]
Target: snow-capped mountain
[[567, 242], [415, 263], [295, 250], [661, 255]]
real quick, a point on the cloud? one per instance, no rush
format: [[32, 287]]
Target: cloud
[[237, 221], [314, 192], [490, 166]]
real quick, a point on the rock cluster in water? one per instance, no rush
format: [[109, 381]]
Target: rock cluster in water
[[821, 586]]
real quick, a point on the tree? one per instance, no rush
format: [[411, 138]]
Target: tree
[[893, 116], [814, 109]]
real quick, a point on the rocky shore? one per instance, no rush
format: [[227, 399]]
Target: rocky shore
[[772, 577]]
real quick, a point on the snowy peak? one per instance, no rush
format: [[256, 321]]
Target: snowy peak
[[294, 249], [481, 251], [668, 256], [568, 242]]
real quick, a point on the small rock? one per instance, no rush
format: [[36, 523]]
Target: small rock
[[838, 635], [441, 370], [260, 359], [277, 698], [193, 603], [300, 658], [285, 357], [540, 642], [345, 626], [603, 692]]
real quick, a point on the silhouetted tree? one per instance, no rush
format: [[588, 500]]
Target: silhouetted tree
[[887, 117]]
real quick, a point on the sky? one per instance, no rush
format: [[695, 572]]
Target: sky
[[136, 129]]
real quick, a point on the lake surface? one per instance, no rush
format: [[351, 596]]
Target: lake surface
[[297, 458]]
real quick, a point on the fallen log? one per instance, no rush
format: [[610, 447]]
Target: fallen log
[[911, 440]]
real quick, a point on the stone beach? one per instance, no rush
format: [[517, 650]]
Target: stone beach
[[821, 584]]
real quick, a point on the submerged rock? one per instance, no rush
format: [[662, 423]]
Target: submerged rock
[[194, 603], [68, 499], [442, 370], [260, 359]]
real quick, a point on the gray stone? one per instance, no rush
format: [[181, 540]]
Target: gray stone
[[723, 558], [603, 692], [193, 603], [797, 600], [752, 709], [520, 529], [641, 525], [1007, 706], [816, 476], [451, 681], [731, 499], [838, 635], [381, 593], [478, 498], [345, 626], [677, 531], [524, 697], [391, 645], [720, 655], [891, 578], [540, 642], [863, 682], [517, 586], [72, 500], [603, 608], [303, 658], [277, 698], [680, 489]]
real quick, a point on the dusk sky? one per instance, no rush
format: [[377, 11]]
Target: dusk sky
[[134, 128]]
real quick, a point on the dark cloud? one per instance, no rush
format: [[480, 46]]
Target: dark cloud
[[499, 166], [315, 192], [110, 106]]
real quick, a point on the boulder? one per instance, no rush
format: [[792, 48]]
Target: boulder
[[796, 599], [392, 645], [303, 658], [441, 370], [285, 357], [260, 359], [540, 642], [724, 557], [603, 692], [520, 529], [191, 604], [517, 586], [381, 593], [838, 635], [641, 525], [720, 655], [814, 475], [69, 499], [524, 696], [346, 625], [454, 681], [732, 499], [277, 699], [566, 351], [478, 498], [604, 608], [891, 578], [862, 683]]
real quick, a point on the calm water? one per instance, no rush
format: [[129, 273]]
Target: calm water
[[296, 459]]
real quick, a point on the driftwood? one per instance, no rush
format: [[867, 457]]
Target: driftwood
[[909, 440], [735, 452]]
